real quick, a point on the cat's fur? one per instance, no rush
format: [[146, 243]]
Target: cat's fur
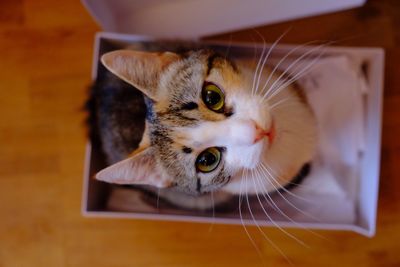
[[179, 126]]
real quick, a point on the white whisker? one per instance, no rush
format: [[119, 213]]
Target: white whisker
[[290, 66], [267, 56], [285, 199], [285, 105], [284, 189], [295, 184], [259, 228], [277, 178], [273, 105], [257, 69], [270, 218], [297, 76], [272, 202], [280, 62], [241, 220]]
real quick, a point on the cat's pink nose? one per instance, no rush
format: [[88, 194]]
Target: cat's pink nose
[[261, 133]]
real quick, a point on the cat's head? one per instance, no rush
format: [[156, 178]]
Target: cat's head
[[204, 124]]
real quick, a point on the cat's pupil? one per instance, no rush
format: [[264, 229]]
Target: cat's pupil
[[207, 159], [212, 98]]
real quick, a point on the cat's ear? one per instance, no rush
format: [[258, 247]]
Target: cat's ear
[[140, 69], [142, 168]]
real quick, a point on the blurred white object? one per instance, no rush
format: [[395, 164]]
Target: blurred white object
[[196, 18]]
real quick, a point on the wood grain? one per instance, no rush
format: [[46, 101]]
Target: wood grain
[[46, 52]]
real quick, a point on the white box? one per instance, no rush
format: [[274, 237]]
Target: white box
[[95, 193]]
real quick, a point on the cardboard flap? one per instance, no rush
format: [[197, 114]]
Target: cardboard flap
[[197, 18]]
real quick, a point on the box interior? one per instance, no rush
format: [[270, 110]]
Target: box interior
[[96, 193]]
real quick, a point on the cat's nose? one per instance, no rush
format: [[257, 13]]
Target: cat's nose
[[246, 132], [260, 133]]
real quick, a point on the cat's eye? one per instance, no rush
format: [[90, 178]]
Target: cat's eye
[[208, 160], [213, 97]]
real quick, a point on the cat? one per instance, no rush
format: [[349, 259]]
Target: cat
[[197, 122]]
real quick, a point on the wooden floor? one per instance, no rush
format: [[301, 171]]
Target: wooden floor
[[45, 63]]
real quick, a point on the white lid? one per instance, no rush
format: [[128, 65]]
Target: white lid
[[196, 18]]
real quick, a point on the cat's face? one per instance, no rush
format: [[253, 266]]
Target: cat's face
[[205, 123]]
